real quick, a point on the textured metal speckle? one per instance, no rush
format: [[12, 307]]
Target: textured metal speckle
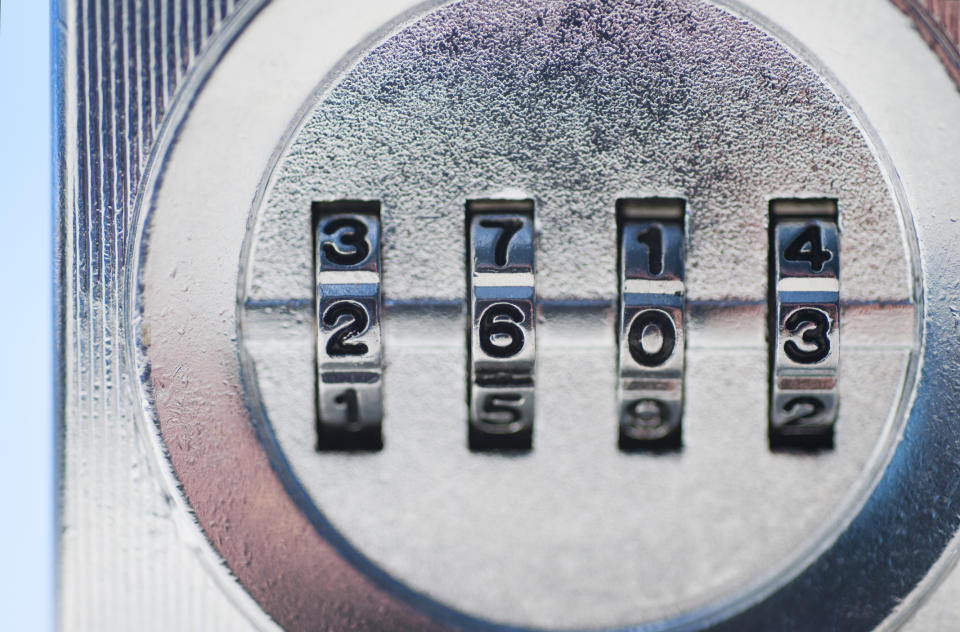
[[577, 104]]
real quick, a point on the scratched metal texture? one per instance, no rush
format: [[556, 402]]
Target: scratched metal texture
[[124, 563]]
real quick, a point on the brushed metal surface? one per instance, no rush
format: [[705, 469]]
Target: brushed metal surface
[[129, 556]]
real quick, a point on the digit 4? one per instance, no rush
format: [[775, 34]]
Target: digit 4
[[808, 246]]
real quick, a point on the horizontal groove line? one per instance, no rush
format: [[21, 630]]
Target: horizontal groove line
[[304, 303]]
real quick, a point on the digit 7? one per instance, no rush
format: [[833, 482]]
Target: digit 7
[[508, 226]]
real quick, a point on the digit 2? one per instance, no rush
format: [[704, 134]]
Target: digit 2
[[356, 323], [809, 407]]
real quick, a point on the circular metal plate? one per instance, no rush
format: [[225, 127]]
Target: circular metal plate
[[575, 106], [383, 540]]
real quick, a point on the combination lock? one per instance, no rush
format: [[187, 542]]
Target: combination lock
[[510, 315]]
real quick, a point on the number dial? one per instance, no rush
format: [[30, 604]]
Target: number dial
[[806, 332], [349, 346], [502, 331], [502, 368], [807, 299], [651, 320]]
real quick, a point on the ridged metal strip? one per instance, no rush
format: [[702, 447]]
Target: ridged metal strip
[[124, 566]]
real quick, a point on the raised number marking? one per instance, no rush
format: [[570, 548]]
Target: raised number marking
[[808, 246], [356, 323], [354, 237], [348, 399], [649, 324], [800, 408], [647, 415], [500, 335], [817, 335], [502, 409], [508, 228], [652, 238]]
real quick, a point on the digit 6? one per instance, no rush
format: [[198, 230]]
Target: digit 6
[[498, 321]]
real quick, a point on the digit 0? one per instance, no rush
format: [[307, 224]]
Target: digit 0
[[651, 319]]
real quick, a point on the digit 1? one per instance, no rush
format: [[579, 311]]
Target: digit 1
[[348, 399], [652, 238]]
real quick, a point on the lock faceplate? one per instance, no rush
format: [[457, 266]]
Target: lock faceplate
[[578, 107], [575, 533]]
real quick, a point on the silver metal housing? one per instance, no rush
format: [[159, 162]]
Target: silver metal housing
[[217, 380], [577, 107]]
